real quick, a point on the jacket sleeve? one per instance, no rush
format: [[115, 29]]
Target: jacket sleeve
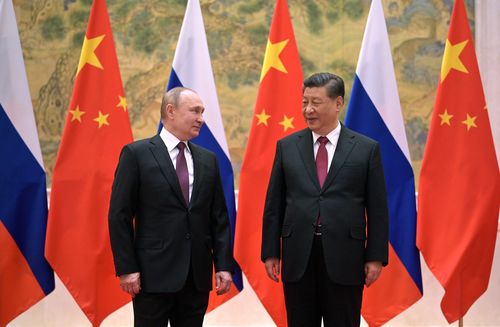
[[376, 210], [274, 209], [122, 208], [220, 228]]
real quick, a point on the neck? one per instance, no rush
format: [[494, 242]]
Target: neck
[[174, 133]]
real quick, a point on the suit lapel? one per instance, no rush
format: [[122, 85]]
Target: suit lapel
[[197, 158], [160, 153], [305, 146], [345, 145]]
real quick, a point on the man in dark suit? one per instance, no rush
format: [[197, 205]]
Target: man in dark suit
[[168, 220], [326, 213]]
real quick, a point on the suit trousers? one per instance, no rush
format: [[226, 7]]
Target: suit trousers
[[185, 308], [315, 297]]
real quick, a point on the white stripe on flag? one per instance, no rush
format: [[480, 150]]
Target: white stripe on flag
[[14, 92], [194, 69], [376, 72]]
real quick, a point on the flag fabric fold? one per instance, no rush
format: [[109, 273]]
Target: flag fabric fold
[[96, 128], [459, 189], [375, 111], [277, 113], [25, 275], [191, 68]]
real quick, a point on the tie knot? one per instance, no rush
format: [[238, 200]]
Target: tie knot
[[323, 140], [181, 146]]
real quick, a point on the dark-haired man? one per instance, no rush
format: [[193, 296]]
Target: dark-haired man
[[168, 221], [326, 214]]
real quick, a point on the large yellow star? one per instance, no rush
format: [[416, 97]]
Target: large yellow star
[[88, 55], [286, 123], [262, 117], [451, 58], [445, 118], [77, 114], [102, 119], [470, 122], [122, 103], [272, 57]]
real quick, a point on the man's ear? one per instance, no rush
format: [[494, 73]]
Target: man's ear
[[170, 111], [339, 101]]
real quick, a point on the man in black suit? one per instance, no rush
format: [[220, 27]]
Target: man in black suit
[[326, 213], [168, 220]]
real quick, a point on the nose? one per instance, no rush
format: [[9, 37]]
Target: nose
[[308, 108]]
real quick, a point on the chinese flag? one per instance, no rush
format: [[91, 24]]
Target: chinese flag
[[96, 128], [277, 113], [459, 188]]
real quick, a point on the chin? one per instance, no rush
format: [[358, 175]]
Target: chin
[[312, 126]]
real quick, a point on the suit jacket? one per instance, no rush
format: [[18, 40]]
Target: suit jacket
[[167, 235], [352, 206]]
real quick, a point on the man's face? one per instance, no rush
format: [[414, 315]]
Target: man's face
[[320, 111], [186, 119]]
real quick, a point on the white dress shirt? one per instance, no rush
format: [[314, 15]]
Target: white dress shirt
[[171, 142], [333, 138]]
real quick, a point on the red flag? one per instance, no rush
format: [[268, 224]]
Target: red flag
[[459, 188], [97, 126], [277, 113]]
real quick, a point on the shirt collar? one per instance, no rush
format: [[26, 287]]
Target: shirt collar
[[171, 140], [330, 136]]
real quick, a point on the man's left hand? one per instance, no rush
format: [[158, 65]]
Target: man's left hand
[[372, 272], [223, 281]]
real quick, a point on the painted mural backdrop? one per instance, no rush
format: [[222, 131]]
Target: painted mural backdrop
[[328, 34]]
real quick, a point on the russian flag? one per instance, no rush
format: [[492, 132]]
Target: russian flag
[[25, 276], [192, 68], [375, 111]]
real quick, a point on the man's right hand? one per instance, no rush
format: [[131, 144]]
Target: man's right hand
[[131, 283], [273, 268]]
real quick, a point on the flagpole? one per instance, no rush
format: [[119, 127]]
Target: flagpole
[[461, 322]]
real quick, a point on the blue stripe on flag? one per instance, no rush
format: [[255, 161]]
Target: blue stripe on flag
[[363, 117], [23, 200], [207, 140]]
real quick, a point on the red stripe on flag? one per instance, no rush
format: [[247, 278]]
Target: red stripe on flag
[[393, 293], [20, 289]]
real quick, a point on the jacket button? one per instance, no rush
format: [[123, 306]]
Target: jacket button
[[188, 236]]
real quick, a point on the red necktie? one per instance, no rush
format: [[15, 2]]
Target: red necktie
[[182, 171], [322, 160]]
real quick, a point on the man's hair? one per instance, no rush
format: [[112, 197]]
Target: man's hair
[[172, 97], [334, 84]]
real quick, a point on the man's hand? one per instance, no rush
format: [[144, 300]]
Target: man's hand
[[273, 268], [131, 283], [223, 281], [372, 272]]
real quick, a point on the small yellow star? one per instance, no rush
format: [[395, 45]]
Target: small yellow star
[[262, 117], [272, 58], [451, 58], [445, 118], [77, 114], [102, 119], [470, 122], [122, 103], [286, 123], [88, 55]]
